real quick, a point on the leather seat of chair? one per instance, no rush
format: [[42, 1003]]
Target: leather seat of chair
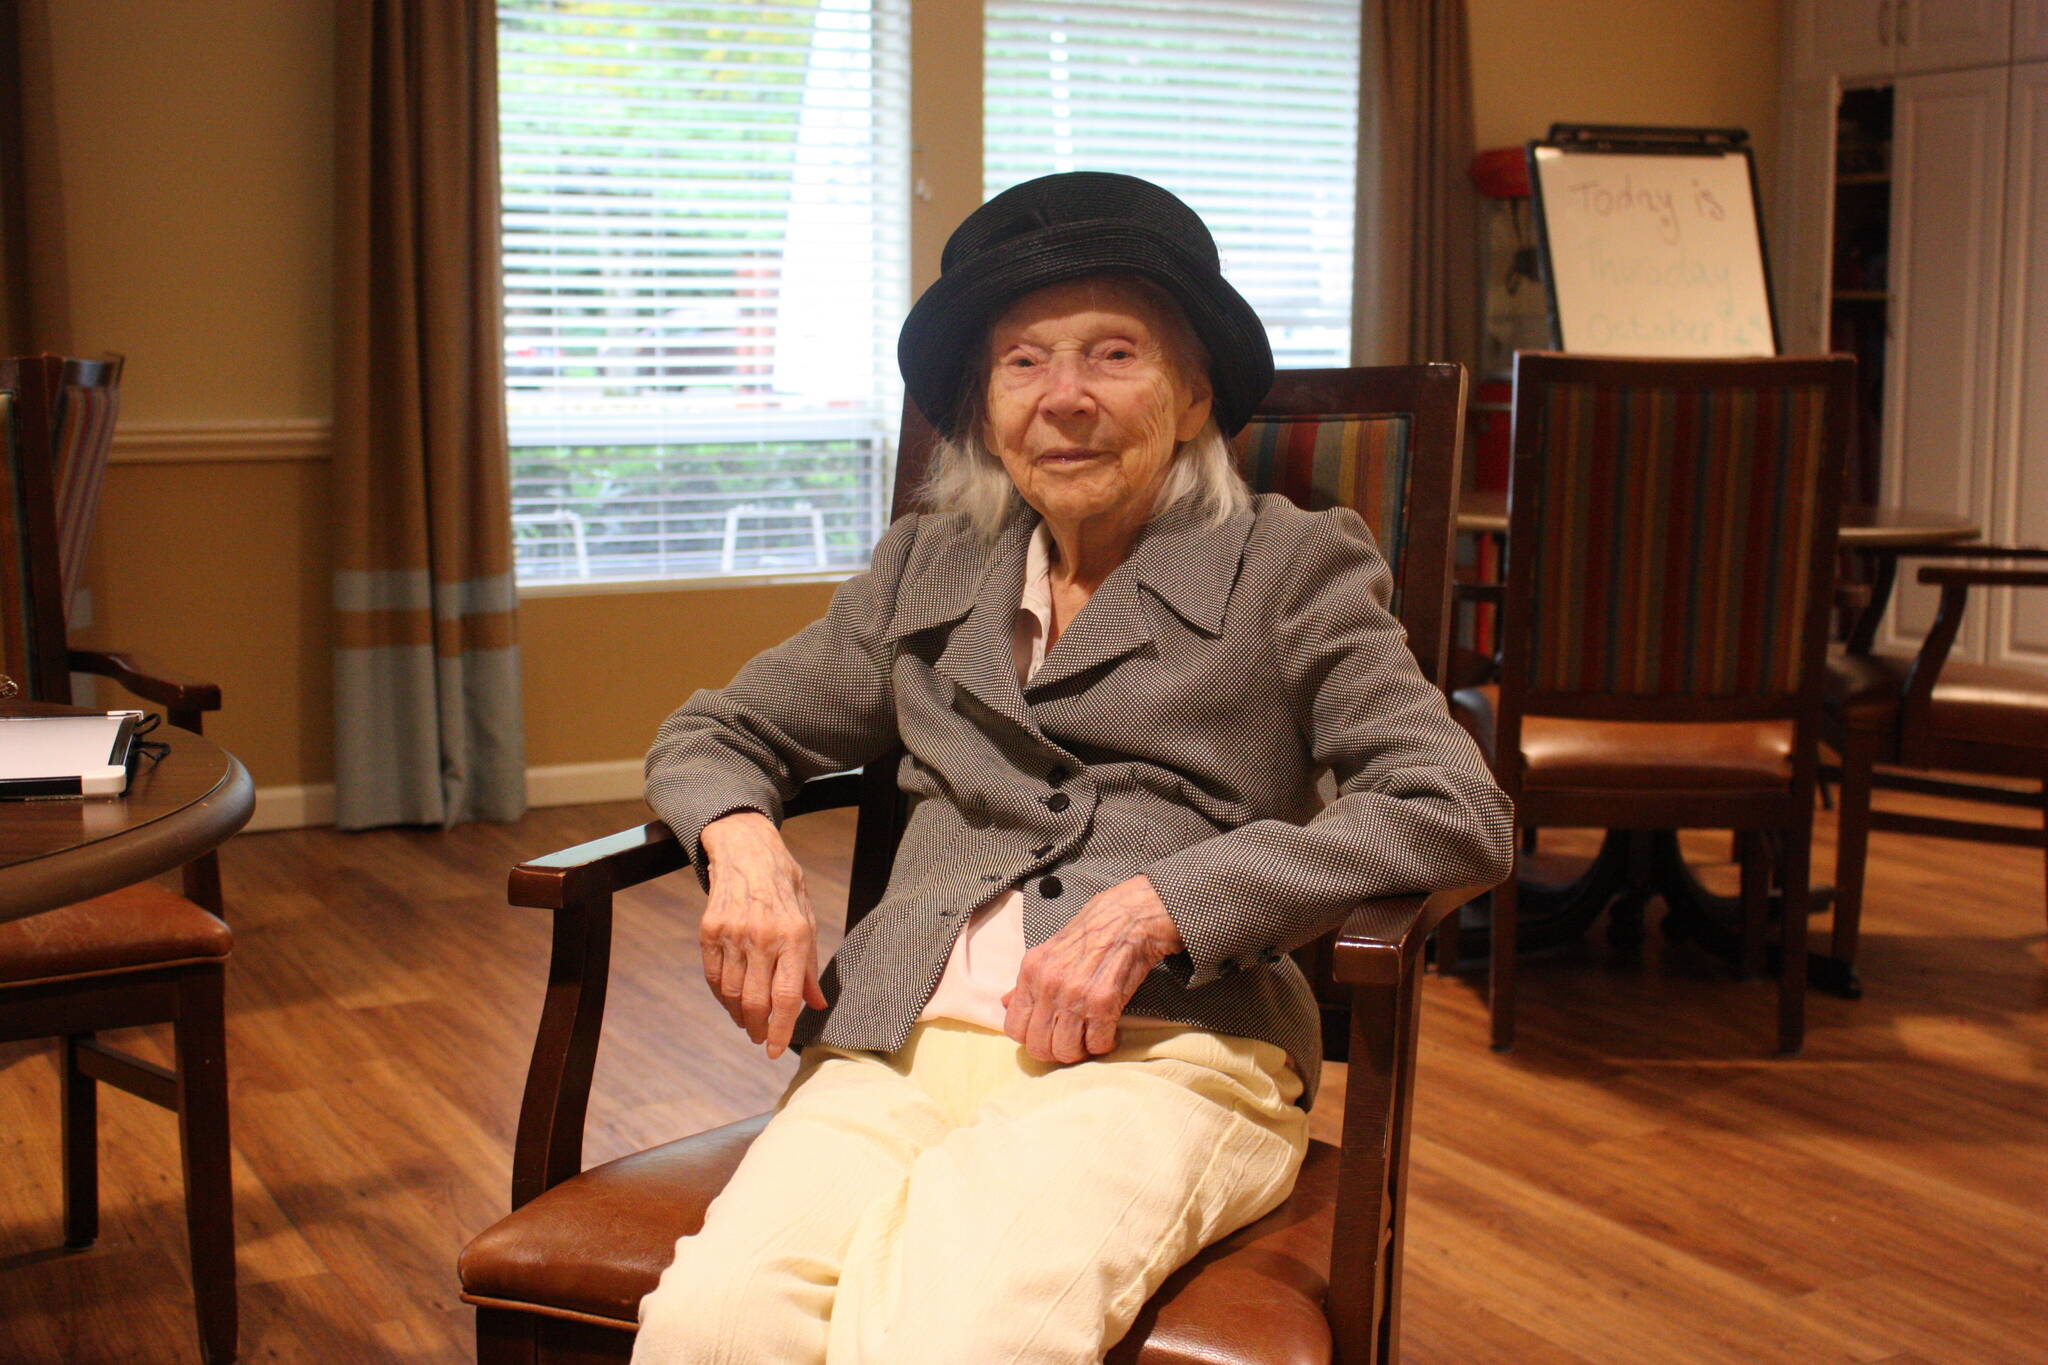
[[590, 1248], [1984, 703], [137, 928], [1566, 753]]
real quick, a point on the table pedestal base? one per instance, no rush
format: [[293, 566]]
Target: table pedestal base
[[1631, 867]]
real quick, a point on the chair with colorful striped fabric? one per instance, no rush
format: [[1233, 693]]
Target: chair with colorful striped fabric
[[1670, 547]]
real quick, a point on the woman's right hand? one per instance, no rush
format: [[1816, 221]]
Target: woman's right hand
[[759, 937]]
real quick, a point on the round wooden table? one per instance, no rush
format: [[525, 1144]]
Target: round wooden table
[[69, 849]]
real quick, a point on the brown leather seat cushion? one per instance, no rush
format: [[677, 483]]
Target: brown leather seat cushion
[[593, 1246], [1982, 703], [1581, 755], [133, 929]]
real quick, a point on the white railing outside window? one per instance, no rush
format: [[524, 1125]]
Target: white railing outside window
[[705, 237], [1248, 111]]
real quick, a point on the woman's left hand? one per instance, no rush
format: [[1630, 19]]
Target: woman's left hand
[[1071, 989]]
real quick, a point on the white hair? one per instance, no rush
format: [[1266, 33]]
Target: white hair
[[967, 477]]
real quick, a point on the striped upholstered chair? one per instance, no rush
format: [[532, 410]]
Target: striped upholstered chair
[[87, 401], [1664, 633], [559, 1279]]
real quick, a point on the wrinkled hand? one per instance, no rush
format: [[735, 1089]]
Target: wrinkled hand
[[759, 937], [1071, 989]]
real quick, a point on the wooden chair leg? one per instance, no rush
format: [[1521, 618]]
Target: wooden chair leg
[[81, 1101], [201, 1046], [202, 882], [504, 1338], [1797, 881], [1447, 945], [1852, 842], [1750, 853], [1501, 969], [1365, 1249]]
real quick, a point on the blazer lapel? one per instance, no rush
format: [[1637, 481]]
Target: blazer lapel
[[1181, 559], [979, 655]]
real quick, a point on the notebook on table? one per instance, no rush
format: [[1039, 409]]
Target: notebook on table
[[43, 756]]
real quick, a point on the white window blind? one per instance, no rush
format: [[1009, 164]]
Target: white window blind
[[705, 246], [1246, 109]]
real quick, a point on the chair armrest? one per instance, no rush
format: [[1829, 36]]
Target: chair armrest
[[1968, 576], [148, 680], [577, 884], [1382, 936], [633, 857]]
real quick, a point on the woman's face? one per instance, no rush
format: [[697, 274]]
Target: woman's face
[[1086, 403]]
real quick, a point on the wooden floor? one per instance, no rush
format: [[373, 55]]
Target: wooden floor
[[1637, 1183]]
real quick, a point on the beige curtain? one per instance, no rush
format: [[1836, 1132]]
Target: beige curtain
[[35, 313], [427, 708], [1417, 281]]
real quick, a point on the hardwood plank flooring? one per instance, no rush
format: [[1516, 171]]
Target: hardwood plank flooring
[[1638, 1183]]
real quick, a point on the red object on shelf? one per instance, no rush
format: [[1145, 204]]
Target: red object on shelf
[[1501, 173]]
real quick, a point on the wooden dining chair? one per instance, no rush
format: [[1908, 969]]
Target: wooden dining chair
[[1671, 534], [559, 1279], [138, 956], [1948, 720]]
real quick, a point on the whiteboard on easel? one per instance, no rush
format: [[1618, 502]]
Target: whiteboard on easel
[[1651, 242]]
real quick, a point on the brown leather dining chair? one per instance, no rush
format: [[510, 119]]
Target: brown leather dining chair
[[1945, 719], [141, 955], [559, 1279], [1671, 537]]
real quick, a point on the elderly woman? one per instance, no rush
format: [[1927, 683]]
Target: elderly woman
[[1069, 1048]]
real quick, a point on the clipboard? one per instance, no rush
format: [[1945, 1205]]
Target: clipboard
[[66, 756]]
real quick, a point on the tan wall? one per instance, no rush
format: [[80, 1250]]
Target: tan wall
[[196, 156], [1686, 62]]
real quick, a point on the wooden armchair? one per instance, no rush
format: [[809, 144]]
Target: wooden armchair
[[560, 1278], [1930, 712], [141, 955]]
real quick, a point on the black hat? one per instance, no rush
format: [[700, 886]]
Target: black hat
[[1062, 227]]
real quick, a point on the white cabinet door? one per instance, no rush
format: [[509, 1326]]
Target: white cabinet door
[[2029, 30], [1948, 154], [1935, 35], [1845, 38], [2018, 619]]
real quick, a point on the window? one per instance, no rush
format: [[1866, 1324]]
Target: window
[[1249, 112], [705, 256]]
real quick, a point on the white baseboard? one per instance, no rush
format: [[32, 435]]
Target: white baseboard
[[292, 807], [557, 784], [585, 784]]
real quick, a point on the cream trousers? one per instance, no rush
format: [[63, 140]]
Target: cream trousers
[[961, 1204]]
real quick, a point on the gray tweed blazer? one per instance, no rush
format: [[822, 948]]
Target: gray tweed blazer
[[1176, 728]]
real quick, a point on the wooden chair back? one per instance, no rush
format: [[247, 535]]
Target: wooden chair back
[[1671, 538], [82, 414], [33, 651]]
